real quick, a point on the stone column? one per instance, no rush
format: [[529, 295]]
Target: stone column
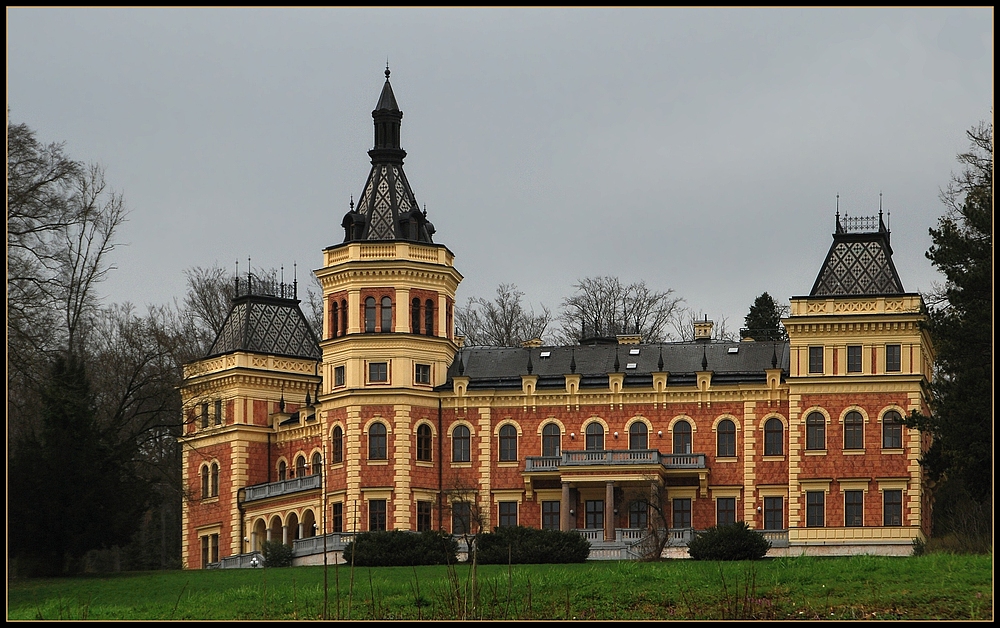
[[565, 523], [302, 530], [284, 534], [609, 511]]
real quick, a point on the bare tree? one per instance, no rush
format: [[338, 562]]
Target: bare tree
[[603, 306], [651, 501], [502, 322], [684, 326]]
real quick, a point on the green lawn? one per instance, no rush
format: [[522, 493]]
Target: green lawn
[[937, 586]]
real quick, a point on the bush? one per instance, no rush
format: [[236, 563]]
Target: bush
[[521, 545], [735, 541], [398, 548], [277, 554]]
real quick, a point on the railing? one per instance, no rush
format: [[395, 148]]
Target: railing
[[283, 487], [592, 534], [241, 561], [778, 538], [613, 457], [680, 537], [335, 542]]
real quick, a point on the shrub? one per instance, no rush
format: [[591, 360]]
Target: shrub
[[734, 541], [277, 554], [398, 548], [521, 545]]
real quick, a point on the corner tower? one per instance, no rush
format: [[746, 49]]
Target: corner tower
[[388, 340]]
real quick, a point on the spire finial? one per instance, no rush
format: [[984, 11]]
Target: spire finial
[[659, 363], [774, 356], [530, 365], [352, 202], [295, 280], [838, 213], [704, 358], [572, 361], [618, 364], [308, 399], [461, 364], [387, 68], [281, 402]]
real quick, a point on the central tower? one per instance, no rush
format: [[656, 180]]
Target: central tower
[[388, 340]]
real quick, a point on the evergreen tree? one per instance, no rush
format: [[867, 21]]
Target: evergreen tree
[[961, 327], [763, 321]]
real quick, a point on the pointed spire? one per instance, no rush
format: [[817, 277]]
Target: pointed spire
[[572, 361], [281, 402], [838, 229], [618, 364], [659, 363], [308, 399], [704, 358], [774, 356], [461, 364], [530, 366]]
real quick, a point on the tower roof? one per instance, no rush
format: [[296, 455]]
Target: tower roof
[[269, 325], [387, 208], [859, 262]]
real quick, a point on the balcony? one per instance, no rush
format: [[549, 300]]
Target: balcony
[[612, 457], [283, 487]]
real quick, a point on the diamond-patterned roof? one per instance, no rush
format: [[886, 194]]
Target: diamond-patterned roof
[[267, 325], [858, 264]]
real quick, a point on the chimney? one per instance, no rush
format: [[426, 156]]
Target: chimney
[[703, 330]]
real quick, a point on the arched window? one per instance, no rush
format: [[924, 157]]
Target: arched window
[[816, 431], [386, 314], [424, 443], [595, 437], [376, 442], [682, 437], [638, 436], [343, 317], [461, 444], [282, 471], [204, 481], [334, 320], [551, 444], [215, 479], [508, 443], [415, 316], [892, 430], [429, 317], [300, 466], [726, 439], [370, 315], [338, 444], [854, 430], [774, 438], [317, 464]]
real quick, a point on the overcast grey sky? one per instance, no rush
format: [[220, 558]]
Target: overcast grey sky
[[700, 150]]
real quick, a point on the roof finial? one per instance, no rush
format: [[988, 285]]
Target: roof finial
[[659, 363], [461, 364], [774, 356], [281, 402], [530, 366], [352, 202], [295, 280], [618, 364], [387, 68], [704, 358], [308, 399], [572, 361]]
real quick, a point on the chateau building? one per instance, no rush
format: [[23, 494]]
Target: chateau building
[[387, 422]]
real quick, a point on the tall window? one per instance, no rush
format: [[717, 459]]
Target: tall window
[[854, 430], [682, 513], [550, 440], [461, 518], [638, 436], [378, 372], [376, 515], [682, 437], [726, 439], [215, 479], [774, 438], [892, 358], [595, 437], [429, 317], [334, 319], [815, 359], [339, 375], [816, 431], [638, 515], [854, 358], [595, 514], [725, 511], [300, 466], [343, 317], [815, 509], [282, 471], [423, 516], [550, 515], [370, 315], [386, 314], [204, 415], [338, 444], [218, 412], [377, 442], [205, 489], [415, 316], [424, 442], [892, 508], [338, 516], [508, 443], [854, 508], [508, 515], [461, 445], [892, 430], [774, 513], [317, 464]]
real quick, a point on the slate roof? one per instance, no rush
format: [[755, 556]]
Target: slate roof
[[859, 262], [502, 367], [267, 325]]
